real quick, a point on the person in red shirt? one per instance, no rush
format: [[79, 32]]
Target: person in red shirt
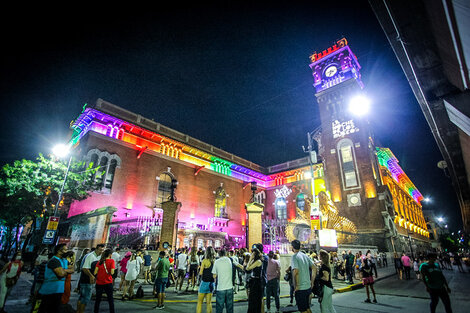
[[104, 272]]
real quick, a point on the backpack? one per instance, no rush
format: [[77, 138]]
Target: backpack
[[366, 268], [140, 292], [317, 288]]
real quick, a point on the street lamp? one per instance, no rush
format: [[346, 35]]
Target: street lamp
[[440, 219], [61, 151], [359, 105]]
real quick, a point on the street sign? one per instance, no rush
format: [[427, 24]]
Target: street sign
[[53, 223], [315, 222], [49, 237], [51, 229]]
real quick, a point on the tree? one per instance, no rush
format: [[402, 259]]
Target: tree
[[30, 190]]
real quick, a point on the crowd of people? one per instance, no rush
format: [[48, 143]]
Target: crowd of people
[[217, 272]]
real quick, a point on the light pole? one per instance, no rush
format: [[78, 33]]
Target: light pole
[[61, 151]]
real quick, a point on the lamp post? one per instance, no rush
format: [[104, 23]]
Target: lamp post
[[61, 151]]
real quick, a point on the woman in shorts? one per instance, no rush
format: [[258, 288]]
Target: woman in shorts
[[193, 267], [368, 278], [207, 281]]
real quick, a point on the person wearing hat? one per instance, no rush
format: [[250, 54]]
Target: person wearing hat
[[123, 266]]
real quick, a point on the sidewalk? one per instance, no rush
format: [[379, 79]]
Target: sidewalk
[[191, 296], [20, 293]]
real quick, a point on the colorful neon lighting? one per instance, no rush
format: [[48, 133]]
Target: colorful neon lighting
[[334, 66], [112, 127], [389, 161]]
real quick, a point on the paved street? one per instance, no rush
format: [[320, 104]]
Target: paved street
[[393, 296]]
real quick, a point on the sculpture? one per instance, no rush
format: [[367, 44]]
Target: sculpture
[[332, 220]]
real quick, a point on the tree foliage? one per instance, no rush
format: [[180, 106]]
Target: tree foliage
[[30, 189]]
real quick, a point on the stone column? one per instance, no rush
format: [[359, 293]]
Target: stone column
[[255, 228], [170, 216]]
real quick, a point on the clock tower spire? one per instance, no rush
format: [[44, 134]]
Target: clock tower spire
[[350, 162]]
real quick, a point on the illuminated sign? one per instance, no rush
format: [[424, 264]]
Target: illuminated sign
[[328, 238], [343, 129], [284, 192], [339, 44]]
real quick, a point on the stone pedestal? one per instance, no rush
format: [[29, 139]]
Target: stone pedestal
[[170, 217], [255, 228]]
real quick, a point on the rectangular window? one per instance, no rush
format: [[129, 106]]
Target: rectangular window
[[350, 179], [346, 154]]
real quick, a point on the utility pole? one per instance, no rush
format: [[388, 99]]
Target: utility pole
[[312, 158]]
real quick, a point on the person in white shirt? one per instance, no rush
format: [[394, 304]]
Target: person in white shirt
[[87, 279], [222, 271], [140, 261], [181, 267], [116, 256], [133, 270]]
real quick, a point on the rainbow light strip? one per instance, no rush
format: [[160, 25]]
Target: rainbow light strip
[[110, 126], [388, 160]]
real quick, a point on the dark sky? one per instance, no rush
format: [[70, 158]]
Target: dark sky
[[234, 76]]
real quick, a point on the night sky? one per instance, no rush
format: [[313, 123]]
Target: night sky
[[235, 76]]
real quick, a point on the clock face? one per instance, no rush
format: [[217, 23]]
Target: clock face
[[330, 71]]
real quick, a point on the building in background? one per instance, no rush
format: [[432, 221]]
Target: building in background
[[431, 40], [359, 188], [367, 185]]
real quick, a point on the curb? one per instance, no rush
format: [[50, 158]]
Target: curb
[[360, 285]]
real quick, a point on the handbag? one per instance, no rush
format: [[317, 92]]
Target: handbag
[[317, 288], [288, 276], [10, 282]]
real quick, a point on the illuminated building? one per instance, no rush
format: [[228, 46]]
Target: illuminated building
[[139, 160], [367, 185]]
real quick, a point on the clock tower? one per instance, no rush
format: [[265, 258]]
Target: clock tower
[[347, 149]]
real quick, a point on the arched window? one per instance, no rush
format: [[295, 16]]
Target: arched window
[[110, 174], [106, 165], [347, 162], [164, 189], [220, 202], [101, 172], [280, 207], [94, 159]]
